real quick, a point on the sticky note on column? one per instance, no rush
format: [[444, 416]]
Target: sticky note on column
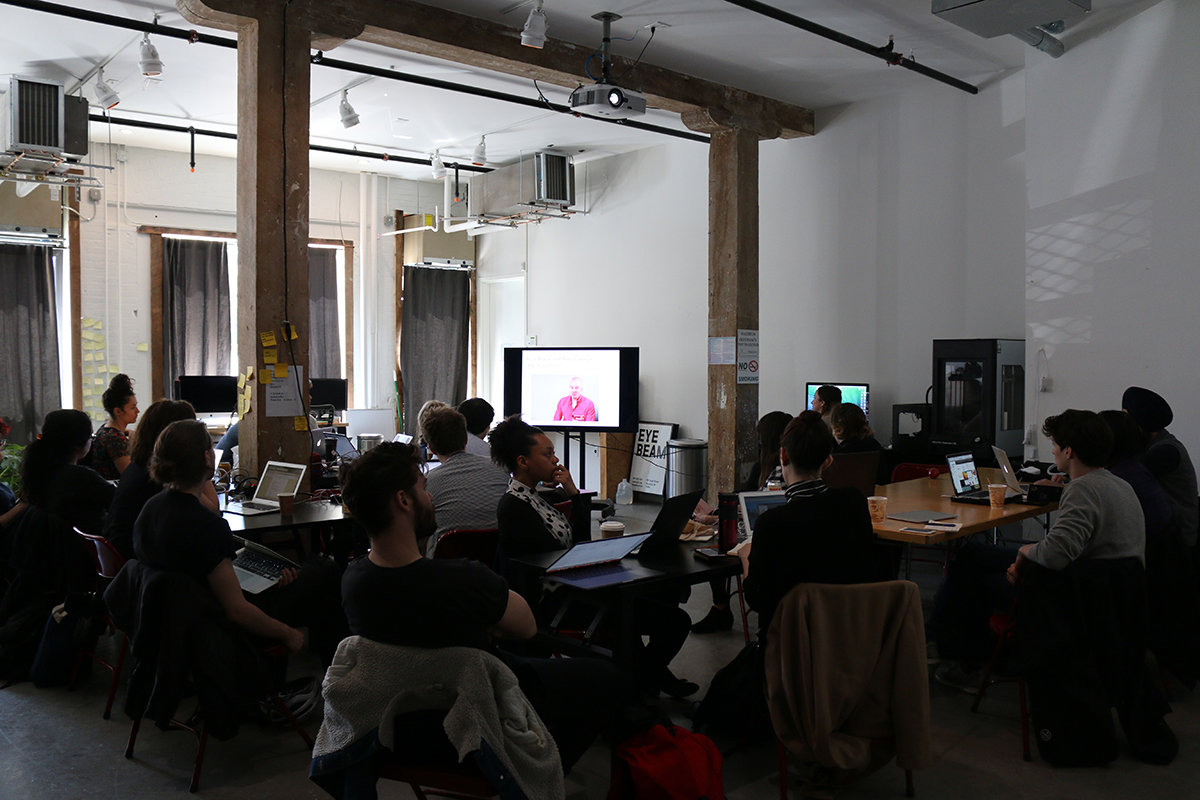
[[143, 347], [89, 356], [98, 381], [241, 381], [99, 324], [270, 356], [102, 368], [265, 376], [281, 370], [301, 423], [88, 322], [88, 369], [113, 368], [292, 328], [268, 338]]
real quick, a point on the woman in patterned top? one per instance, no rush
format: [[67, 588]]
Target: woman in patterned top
[[110, 446]]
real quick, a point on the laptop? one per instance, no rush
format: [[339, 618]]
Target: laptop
[[277, 478], [755, 503], [597, 563], [669, 524], [218, 453], [965, 478], [258, 568], [337, 444]]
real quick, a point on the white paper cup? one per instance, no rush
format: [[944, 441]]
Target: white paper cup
[[611, 528], [878, 506]]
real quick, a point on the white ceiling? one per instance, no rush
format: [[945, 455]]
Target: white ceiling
[[710, 39]]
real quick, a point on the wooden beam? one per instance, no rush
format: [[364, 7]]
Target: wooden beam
[[348, 320], [157, 334], [398, 265]]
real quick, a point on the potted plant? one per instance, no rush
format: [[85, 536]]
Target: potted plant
[[10, 459]]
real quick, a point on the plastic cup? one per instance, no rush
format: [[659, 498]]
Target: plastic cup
[[610, 529], [287, 504], [878, 506], [996, 493]]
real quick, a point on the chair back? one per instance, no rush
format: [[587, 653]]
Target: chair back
[[853, 469], [909, 471], [108, 560], [564, 507], [479, 544]]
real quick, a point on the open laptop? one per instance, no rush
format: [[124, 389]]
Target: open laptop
[[669, 524], [258, 568], [754, 504], [278, 478], [965, 478], [341, 446]]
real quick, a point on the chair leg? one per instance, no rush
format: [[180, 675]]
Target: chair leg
[[1024, 719], [137, 723], [782, 770], [742, 606], [278, 701], [199, 761], [987, 675], [116, 677], [909, 790]]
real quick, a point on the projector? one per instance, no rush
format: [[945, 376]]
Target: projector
[[608, 100]]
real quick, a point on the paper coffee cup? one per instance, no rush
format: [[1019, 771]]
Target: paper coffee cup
[[287, 504], [611, 528], [996, 493], [878, 506]]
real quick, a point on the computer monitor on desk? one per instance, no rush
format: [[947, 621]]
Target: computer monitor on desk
[[208, 394]]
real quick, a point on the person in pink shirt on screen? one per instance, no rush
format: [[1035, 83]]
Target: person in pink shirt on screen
[[575, 407]]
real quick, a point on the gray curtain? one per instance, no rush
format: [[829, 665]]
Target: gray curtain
[[196, 337], [28, 339], [324, 346], [434, 339]]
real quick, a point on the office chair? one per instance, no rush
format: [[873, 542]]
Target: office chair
[[108, 564], [853, 469], [1003, 625], [478, 544]]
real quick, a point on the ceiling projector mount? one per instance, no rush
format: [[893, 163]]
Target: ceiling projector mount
[[605, 98]]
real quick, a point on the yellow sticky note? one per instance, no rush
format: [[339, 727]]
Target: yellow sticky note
[[143, 347], [89, 356], [98, 381], [87, 391], [88, 369], [88, 322], [113, 368], [264, 376], [285, 332], [241, 381], [102, 368], [301, 423], [247, 392], [268, 338], [281, 370], [99, 324], [270, 356]]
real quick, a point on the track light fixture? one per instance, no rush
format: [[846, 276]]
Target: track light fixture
[[349, 118], [106, 95], [150, 63], [534, 32], [439, 169], [480, 153]]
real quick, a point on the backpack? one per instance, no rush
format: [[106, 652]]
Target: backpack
[[667, 763], [735, 701]]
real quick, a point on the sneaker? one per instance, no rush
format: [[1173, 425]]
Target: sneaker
[[718, 619], [954, 676], [677, 687]]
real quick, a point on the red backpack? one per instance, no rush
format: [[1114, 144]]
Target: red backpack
[[667, 763]]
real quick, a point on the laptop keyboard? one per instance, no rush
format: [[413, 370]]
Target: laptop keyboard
[[259, 564], [594, 571], [253, 506]]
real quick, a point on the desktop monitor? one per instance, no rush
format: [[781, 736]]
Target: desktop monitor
[[209, 394], [573, 388], [328, 392], [856, 393]]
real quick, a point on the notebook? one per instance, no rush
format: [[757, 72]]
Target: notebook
[[258, 568], [965, 478], [277, 478]]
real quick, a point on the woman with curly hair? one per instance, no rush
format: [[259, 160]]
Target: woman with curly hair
[[110, 447]]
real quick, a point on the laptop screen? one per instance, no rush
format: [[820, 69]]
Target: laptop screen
[[963, 473], [755, 503], [599, 551], [279, 479]]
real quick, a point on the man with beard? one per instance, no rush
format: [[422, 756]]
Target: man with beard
[[396, 596]]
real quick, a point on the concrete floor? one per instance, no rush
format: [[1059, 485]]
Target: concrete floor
[[56, 746]]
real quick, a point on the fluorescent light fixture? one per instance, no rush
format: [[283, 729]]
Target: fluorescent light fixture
[[106, 95], [534, 32], [151, 65], [349, 118], [439, 169], [480, 153]]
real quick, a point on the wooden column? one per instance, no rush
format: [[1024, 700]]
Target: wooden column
[[732, 302]]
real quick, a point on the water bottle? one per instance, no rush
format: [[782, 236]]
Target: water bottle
[[727, 521], [624, 493]]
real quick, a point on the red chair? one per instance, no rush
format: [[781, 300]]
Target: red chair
[[108, 564], [1003, 626], [909, 471], [479, 544]]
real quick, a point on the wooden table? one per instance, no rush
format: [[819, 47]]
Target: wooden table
[[926, 494], [319, 514]]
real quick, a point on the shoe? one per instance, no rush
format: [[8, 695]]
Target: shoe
[[677, 687], [718, 619], [954, 676]]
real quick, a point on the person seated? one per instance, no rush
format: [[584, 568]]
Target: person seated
[[110, 446], [825, 399], [1124, 461], [529, 524], [479, 414], [52, 479], [136, 485], [820, 535], [176, 532], [1166, 457], [430, 406], [766, 470], [850, 429], [467, 488], [1098, 517], [396, 596]]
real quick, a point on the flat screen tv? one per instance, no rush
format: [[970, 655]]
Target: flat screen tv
[[209, 394], [856, 393], [573, 388]]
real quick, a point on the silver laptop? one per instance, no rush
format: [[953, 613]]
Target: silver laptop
[[278, 478], [1010, 475], [753, 504], [258, 568]]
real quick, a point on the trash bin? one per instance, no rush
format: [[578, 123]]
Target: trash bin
[[368, 440], [687, 466]]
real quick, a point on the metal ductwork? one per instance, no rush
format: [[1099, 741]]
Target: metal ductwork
[[1024, 19]]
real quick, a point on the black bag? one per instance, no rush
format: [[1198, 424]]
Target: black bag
[[736, 700], [1072, 719], [55, 659]]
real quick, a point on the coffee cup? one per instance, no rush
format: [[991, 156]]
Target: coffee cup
[[611, 528], [996, 493], [287, 504], [878, 506]]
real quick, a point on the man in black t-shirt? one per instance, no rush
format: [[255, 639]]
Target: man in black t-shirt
[[396, 596]]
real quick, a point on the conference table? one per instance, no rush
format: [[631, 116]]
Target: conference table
[[933, 494], [313, 514]]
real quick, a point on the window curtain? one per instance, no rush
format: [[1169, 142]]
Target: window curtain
[[434, 339], [195, 309], [28, 339], [325, 344]]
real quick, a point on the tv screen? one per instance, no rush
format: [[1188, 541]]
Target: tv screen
[[573, 388], [856, 393], [209, 394], [328, 392]]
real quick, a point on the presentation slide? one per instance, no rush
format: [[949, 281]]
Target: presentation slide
[[578, 387]]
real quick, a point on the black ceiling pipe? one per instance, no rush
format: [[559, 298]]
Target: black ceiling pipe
[[887, 52], [122, 22]]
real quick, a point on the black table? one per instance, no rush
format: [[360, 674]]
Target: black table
[[316, 514], [679, 569]]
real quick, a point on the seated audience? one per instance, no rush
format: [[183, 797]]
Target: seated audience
[[1129, 442], [1098, 517], [395, 596], [110, 446], [529, 524], [1166, 457], [479, 414], [770, 429], [136, 485], [430, 405], [466, 488], [850, 429], [825, 400], [820, 535], [52, 479], [176, 532]]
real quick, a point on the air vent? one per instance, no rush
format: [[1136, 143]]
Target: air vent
[[555, 184], [540, 185], [38, 117]]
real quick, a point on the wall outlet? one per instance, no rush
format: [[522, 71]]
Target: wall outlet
[[1045, 383]]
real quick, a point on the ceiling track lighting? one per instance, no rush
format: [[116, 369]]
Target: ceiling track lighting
[[106, 95], [534, 32], [150, 64], [349, 117], [439, 169], [480, 156]]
